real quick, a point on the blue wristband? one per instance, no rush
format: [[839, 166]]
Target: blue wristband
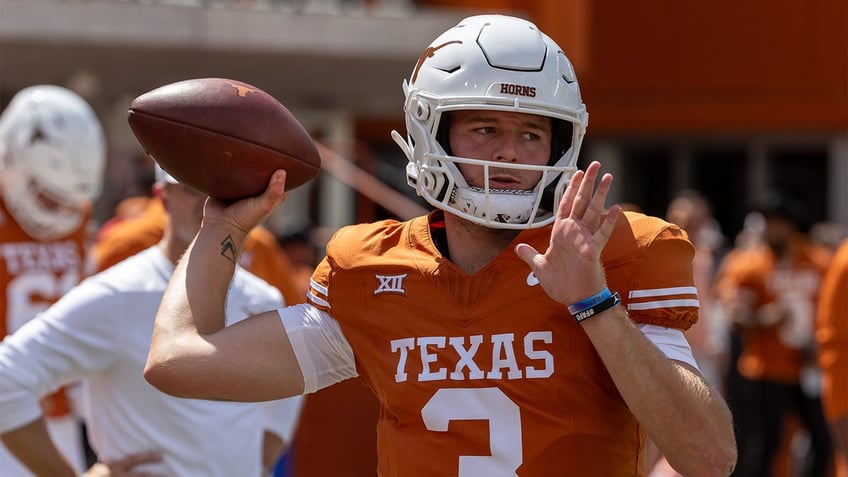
[[605, 305], [587, 303]]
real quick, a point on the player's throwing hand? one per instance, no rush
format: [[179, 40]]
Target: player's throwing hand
[[247, 213]]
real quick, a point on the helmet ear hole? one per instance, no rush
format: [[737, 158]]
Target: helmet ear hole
[[434, 184], [422, 110], [427, 180]]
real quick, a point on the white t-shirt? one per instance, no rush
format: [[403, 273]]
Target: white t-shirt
[[100, 333]]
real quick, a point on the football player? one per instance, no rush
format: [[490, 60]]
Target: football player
[[52, 155], [769, 292], [487, 356], [832, 339]]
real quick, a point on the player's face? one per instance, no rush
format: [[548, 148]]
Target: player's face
[[500, 136]]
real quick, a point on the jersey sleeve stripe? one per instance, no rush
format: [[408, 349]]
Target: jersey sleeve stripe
[[652, 292], [652, 305], [317, 294], [318, 301], [321, 289]]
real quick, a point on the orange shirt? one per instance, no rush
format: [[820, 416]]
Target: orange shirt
[[34, 275], [832, 335], [262, 255], [776, 353], [122, 238], [486, 371]]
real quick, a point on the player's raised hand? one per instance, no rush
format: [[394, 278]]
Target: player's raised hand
[[247, 213], [570, 269]]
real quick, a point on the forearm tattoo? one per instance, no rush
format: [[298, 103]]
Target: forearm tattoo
[[228, 249]]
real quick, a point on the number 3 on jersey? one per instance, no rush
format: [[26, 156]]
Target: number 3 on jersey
[[489, 404]]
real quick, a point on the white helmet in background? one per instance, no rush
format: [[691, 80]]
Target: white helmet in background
[[52, 156], [500, 63]]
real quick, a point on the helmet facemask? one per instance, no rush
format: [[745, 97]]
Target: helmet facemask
[[470, 72]]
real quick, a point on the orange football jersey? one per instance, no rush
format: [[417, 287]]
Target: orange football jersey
[[776, 353], [485, 374], [262, 255], [34, 275], [832, 335]]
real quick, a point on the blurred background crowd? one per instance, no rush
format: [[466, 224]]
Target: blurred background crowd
[[727, 118]]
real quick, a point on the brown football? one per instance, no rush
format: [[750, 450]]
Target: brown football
[[223, 137]]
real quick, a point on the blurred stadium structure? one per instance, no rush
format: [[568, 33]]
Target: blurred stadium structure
[[329, 62], [727, 97]]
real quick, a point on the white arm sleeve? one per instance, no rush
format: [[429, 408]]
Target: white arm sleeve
[[321, 349], [671, 342]]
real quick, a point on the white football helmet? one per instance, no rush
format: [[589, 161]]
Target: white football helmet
[[52, 156], [501, 63]]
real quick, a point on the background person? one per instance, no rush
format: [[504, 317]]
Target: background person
[[832, 338], [263, 255], [769, 291], [52, 156], [100, 333]]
